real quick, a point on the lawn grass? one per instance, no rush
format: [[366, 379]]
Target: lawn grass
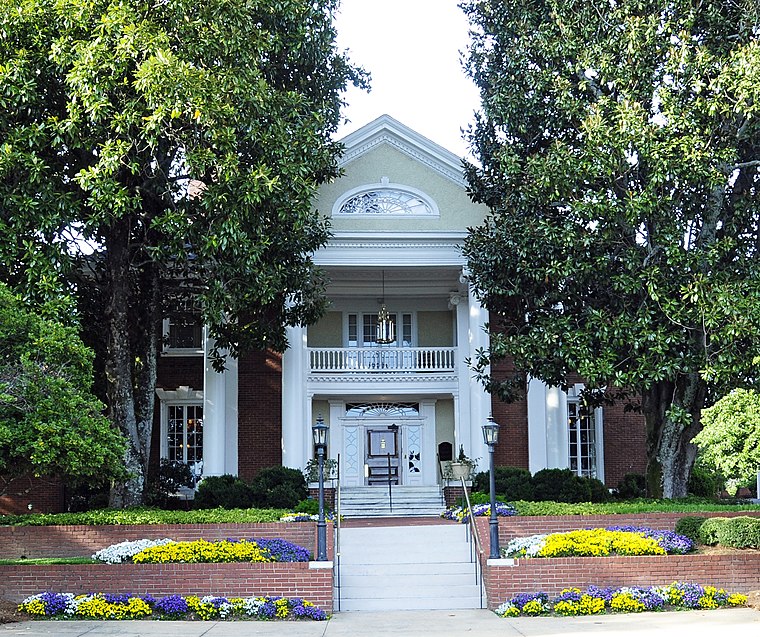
[[46, 561]]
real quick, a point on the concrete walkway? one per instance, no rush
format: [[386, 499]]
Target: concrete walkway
[[736, 622]]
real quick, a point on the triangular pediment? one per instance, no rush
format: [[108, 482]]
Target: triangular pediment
[[387, 130]]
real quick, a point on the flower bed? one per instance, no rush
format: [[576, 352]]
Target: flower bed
[[462, 514], [595, 600], [616, 540], [123, 606], [167, 551]]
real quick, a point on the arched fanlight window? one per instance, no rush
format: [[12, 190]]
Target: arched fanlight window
[[385, 199]]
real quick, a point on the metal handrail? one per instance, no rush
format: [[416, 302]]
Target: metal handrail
[[474, 534]]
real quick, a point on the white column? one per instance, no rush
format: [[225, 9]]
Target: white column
[[480, 399], [536, 425], [462, 399], [214, 414], [547, 430], [294, 416]]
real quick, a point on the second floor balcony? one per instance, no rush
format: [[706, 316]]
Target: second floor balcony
[[382, 360]]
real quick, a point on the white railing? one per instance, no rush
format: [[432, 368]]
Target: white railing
[[381, 359]]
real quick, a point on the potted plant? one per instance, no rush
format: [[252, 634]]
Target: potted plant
[[462, 467], [311, 472]]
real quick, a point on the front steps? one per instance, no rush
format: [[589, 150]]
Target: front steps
[[406, 568], [370, 502]]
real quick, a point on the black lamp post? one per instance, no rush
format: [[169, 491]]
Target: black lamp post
[[319, 434], [491, 437]]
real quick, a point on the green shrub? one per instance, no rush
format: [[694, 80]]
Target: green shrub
[[511, 482], [562, 485], [227, 491], [708, 532], [172, 475], [705, 482], [740, 532], [279, 487], [309, 506], [632, 486], [689, 526]]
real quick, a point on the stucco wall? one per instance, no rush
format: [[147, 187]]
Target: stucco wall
[[457, 212]]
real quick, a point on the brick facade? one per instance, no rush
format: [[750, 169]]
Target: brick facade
[[259, 412], [33, 495]]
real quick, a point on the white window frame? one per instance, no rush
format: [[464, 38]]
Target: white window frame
[[182, 396], [180, 351], [573, 396], [360, 314]]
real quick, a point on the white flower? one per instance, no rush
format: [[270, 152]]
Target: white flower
[[123, 552]]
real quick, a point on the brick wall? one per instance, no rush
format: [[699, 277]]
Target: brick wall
[[736, 573], [83, 541], [259, 412], [232, 580], [44, 496]]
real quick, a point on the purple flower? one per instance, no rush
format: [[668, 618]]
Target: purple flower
[[282, 550], [668, 540], [55, 603], [173, 606]]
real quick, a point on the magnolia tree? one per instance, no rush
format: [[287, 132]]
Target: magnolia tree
[[161, 157], [51, 425], [619, 147]]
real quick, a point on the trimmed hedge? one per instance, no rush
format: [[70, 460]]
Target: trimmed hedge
[[740, 532], [690, 526]]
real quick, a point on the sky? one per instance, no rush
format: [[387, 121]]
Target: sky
[[412, 49]]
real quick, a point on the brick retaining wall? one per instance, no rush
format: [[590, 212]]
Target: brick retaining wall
[[737, 572], [299, 579], [83, 541]]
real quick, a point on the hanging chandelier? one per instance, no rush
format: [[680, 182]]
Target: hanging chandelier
[[386, 330]]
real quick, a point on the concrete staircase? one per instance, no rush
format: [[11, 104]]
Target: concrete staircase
[[406, 568], [372, 502]]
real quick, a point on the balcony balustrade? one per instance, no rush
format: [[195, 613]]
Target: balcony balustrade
[[382, 360]]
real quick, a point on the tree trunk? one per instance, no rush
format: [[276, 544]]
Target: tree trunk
[[119, 364], [672, 411]]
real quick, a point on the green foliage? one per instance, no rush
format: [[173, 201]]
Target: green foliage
[[631, 486], [708, 532], [512, 483], [689, 526], [729, 442], [329, 469], [227, 492], [704, 481], [625, 142], [562, 485], [309, 506], [139, 515], [50, 423], [691, 505], [279, 487], [183, 143], [740, 532], [172, 475]]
